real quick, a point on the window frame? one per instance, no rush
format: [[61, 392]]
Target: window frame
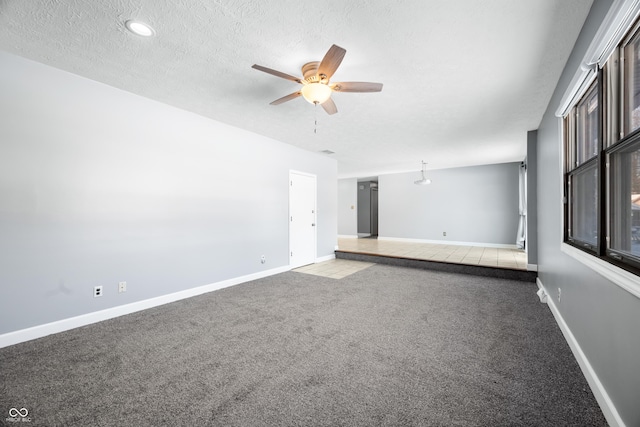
[[573, 167], [621, 257], [614, 137], [619, 26], [633, 34]]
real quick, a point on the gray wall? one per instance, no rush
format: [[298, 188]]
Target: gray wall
[[348, 207], [603, 317], [476, 204], [99, 186]]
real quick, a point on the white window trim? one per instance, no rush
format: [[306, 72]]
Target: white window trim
[[577, 88], [619, 19], [622, 278]]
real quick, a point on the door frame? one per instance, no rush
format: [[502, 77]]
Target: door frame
[[315, 212]]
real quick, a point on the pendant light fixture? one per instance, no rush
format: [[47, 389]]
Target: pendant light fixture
[[424, 180]]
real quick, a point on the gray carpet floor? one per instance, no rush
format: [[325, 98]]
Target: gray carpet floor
[[388, 346]]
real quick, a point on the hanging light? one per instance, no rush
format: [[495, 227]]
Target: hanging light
[[424, 180]]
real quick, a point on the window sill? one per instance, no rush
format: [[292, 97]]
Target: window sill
[[627, 281]]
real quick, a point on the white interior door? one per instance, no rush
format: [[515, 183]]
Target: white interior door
[[302, 219]]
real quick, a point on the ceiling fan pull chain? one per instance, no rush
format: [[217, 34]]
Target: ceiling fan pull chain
[[315, 118]]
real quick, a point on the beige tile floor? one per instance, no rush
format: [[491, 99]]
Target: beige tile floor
[[471, 255], [335, 268]]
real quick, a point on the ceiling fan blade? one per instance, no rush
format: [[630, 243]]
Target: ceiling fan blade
[[330, 62], [289, 97], [329, 106], [357, 87], [276, 73]]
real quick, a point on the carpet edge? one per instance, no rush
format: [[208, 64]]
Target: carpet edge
[[597, 388], [39, 331]]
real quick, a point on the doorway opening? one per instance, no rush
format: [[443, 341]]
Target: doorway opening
[[367, 208]]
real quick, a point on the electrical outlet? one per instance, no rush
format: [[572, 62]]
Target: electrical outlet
[[444, 233], [263, 259], [97, 291], [122, 287], [559, 294]]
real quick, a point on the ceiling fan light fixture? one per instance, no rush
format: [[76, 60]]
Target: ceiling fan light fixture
[[315, 83], [316, 93], [139, 28]]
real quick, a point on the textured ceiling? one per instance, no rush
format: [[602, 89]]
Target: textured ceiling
[[463, 80]]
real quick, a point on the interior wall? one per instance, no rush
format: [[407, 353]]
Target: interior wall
[[98, 186], [601, 316], [347, 207], [476, 204]]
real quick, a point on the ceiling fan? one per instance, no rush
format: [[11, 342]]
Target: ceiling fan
[[315, 84]]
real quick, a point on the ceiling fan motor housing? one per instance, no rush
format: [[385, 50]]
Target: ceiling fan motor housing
[[309, 71]]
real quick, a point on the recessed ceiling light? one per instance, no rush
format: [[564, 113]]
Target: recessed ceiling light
[[139, 28]]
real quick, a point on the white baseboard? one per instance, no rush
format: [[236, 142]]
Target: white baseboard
[[447, 242], [347, 236], [600, 393], [532, 267], [326, 258], [39, 331]]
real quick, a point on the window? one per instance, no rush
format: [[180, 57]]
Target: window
[[632, 84], [587, 132], [583, 196], [602, 161], [582, 129], [624, 163]]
